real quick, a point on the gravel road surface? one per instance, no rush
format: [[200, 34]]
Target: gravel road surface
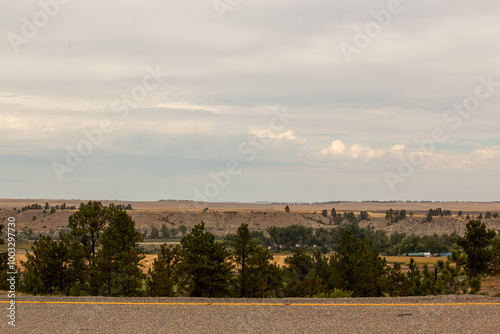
[[434, 314]]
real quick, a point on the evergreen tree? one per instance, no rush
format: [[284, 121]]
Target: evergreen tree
[[183, 229], [496, 255], [205, 269], [476, 244], [357, 267], [164, 272], [429, 216], [299, 265], [449, 281], [86, 226], [257, 276], [155, 234], [118, 271], [54, 266], [363, 215], [398, 284], [165, 234], [244, 248], [334, 213]]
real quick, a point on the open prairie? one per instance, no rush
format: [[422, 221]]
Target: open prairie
[[417, 207]]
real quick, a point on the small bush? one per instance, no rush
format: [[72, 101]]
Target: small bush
[[336, 293]]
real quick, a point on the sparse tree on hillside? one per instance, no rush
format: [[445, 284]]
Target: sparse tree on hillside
[[154, 233], [165, 234], [429, 216], [287, 208], [183, 229], [363, 215]]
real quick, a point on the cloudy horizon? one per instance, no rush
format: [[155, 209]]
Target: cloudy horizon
[[249, 100]]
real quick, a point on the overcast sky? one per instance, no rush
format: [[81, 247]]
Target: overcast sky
[[251, 100]]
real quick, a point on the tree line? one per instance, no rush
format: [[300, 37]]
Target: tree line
[[327, 240], [100, 256], [392, 216]]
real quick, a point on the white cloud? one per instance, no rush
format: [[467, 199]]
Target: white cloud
[[336, 148], [187, 106], [485, 159], [355, 151], [398, 148], [365, 152], [280, 136]]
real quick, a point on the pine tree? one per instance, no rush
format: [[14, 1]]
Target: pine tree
[[449, 281], [256, 274], [118, 271], [164, 272], [299, 265], [476, 244], [244, 247], [357, 267], [53, 266], [86, 226], [398, 284], [155, 234], [165, 234], [205, 269], [334, 213]]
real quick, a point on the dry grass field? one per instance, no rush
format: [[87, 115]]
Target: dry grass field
[[380, 207]]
